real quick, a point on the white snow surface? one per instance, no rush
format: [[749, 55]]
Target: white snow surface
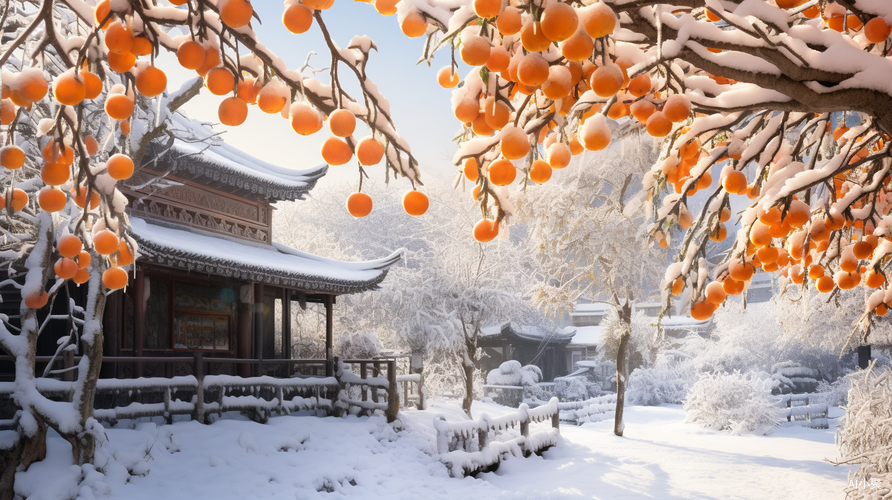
[[303, 457]]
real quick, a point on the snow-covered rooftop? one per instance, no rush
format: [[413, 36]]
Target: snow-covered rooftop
[[679, 322], [213, 160], [527, 332], [585, 335], [274, 264]]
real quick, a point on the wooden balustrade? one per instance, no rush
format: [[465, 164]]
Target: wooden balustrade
[[200, 395]]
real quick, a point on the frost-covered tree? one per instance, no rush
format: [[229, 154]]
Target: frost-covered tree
[[44, 255], [586, 246], [438, 298]]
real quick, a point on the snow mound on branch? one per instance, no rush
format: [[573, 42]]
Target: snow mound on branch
[[512, 373]]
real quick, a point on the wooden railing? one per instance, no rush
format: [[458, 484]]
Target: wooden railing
[[797, 408], [590, 410], [275, 367], [409, 385], [375, 385], [200, 396], [468, 447]]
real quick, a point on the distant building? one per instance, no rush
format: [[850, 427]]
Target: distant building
[[585, 321], [530, 345]]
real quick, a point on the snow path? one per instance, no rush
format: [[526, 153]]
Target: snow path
[[296, 457]]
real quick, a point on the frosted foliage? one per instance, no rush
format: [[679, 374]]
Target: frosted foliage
[[644, 336], [664, 383], [359, 345], [835, 393], [584, 243], [827, 324], [764, 335], [445, 287], [865, 432], [735, 402]]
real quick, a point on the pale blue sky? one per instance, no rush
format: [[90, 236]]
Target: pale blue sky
[[420, 107]]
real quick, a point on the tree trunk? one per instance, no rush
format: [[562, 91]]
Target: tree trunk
[[622, 354], [25, 451], [83, 443], [469, 362], [468, 371]]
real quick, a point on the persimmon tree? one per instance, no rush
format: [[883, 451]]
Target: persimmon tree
[[82, 98], [783, 101]]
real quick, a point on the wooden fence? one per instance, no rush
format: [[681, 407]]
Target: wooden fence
[[201, 396], [410, 387], [798, 408], [468, 447], [590, 410]]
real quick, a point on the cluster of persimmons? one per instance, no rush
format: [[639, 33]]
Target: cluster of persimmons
[[549, 54], [125, 40]]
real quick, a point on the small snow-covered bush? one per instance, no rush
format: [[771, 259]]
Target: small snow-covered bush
[[835, 393], [865, 433], [736, 402], [512, 373], [359, 345], [571, 389], [657, 385]]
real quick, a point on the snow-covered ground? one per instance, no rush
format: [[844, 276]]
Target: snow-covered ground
[[304, 457]]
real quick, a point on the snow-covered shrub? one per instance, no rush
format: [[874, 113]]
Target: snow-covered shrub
[[656, 385], [536, 392], [512, 373], [571, 388], [594, 388], [834, 393], [865, 433], [736, 402], [359, 345]]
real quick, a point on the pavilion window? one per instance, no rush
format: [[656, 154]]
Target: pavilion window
[[203, 317]]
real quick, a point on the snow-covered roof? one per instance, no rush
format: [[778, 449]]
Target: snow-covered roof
[[216, 162], [680, 322], [527, 332], [586, 335], [593, 307], [490, 330], [197, 251]]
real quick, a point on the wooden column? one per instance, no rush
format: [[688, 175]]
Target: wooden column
[[243, 347], [258, 327], [139, 318], [286, 324], [329, 351]]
